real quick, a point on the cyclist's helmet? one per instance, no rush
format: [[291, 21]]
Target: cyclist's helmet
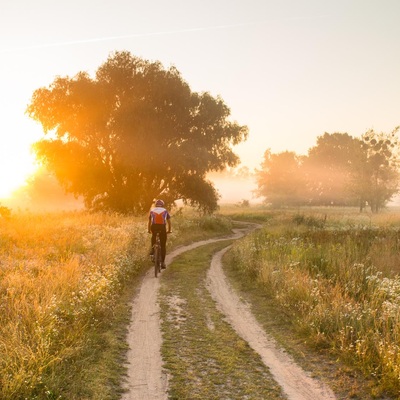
[[159, 203]]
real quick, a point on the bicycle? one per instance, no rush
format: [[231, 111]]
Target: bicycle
[[157, 255]]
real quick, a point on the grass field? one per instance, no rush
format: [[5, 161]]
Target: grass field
[[335, 274], [66, 281]]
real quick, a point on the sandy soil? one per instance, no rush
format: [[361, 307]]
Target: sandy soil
[[146, 378], [296, 383]]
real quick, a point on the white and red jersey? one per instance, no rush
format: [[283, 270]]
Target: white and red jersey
[[159, 216]]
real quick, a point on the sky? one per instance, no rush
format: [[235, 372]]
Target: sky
[[290, 69]]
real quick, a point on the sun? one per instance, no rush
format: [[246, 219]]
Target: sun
[[15, 168], [17, 161]]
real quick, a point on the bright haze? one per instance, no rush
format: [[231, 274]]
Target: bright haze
[[290, 69]]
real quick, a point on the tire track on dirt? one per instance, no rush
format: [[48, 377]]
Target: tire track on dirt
[[146, 379], [295, 382]]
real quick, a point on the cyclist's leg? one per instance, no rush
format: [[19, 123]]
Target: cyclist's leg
[[153, 238], [163, 241]]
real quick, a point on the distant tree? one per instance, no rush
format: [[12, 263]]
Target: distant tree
[[134, 133], [43, 192], [375, 175], [328, 168], [280, 180]]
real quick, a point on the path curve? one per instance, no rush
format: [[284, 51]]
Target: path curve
[[294, 381], [147, 380]]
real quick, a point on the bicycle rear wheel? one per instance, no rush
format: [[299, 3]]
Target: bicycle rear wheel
[[157, 261]]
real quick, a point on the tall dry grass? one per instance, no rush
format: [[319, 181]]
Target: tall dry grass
[[62, 280], [339, 282], [60, 277]]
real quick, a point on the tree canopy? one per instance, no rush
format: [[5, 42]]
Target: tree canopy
[[338, 170], [376, 169], [134, 133], [280, 179], [328, 168]]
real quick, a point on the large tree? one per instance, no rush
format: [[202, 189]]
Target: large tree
[[375, 173], [280, 179], [328, 168], [133, 133]]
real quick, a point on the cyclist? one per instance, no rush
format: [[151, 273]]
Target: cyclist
[[159, 221]]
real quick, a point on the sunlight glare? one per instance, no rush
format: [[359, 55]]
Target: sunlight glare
[[15, 167], [17, 162]]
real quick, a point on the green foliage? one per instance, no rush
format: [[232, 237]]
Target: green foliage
[[134, 133]]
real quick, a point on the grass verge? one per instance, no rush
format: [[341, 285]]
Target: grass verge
[[203, 354], [347, 381]]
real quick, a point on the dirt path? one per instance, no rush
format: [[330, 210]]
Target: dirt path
[[146, 378], [296, 383]]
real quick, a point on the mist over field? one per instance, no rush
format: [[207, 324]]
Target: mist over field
[[235, 189], [44, 194]]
